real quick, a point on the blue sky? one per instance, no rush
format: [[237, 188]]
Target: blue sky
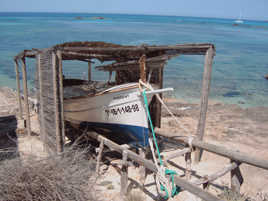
[[250, 9]]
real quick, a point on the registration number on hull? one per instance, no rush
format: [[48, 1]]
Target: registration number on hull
[[122, 110]]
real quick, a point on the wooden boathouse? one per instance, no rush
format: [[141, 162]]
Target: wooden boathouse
[[126, 63]]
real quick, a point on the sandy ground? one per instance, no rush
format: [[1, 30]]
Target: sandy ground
[[244, 130]]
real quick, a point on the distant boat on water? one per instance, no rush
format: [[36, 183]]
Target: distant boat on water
[[239, 20]]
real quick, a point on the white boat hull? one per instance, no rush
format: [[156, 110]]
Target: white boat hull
[[120, 109]]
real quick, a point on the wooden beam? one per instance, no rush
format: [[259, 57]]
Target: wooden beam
[[190, 49], [177, 153], [26, 102], [234, 155], [152, 62], [204, 99], [18, 88], [216, 175], [151, 166]]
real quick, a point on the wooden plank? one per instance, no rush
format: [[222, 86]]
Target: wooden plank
[[151, 166], [234, 155], [204, 99], [124, 174], [18, 88], [236, 178], [26, 102]]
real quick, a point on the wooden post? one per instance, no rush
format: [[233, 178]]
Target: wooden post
[[236, 178], [142, 62], [99, 156], [89, 71], [124, 174], [18, 87], [151, 166], [25, 91], [204, 99], [59, 144], [142, 169], [158, 104], [61, 94], [41, 104], [188, 161]]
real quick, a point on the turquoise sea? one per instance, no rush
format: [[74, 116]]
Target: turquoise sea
[[240, 64]]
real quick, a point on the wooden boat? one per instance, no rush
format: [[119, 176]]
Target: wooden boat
[[117, 110]]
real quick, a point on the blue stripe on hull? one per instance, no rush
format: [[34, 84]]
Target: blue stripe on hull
[[136, 135]]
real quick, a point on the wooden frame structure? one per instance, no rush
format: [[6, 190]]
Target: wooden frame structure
[[126, 58]]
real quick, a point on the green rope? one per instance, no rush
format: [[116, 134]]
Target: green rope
[[170, 173]]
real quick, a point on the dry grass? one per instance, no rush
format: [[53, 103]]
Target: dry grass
[[229, 195], [60, 178], [135, 196]]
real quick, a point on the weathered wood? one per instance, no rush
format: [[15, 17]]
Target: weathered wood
[[60, 80], [204, 99], [59, 145], [177, 153], [89, 71], [179, 49], [216, 175], [142, 170], [234, 155], [124, 174], [41, 103], [99, 156], [142, 63], [158, 103], [236, 178], [151, 166], [152, 63], [26, 102], [188, 170], [18, 88]]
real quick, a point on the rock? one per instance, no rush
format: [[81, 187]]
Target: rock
[[98, 18], [266, 77], [231, 94], [78, 18]]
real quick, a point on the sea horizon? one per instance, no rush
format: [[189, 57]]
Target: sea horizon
[[142, 14], [239, 65]]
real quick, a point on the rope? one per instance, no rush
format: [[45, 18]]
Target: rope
[[165, 106], [170, 189]]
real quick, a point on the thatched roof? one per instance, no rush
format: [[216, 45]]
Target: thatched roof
[[103, 51]]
